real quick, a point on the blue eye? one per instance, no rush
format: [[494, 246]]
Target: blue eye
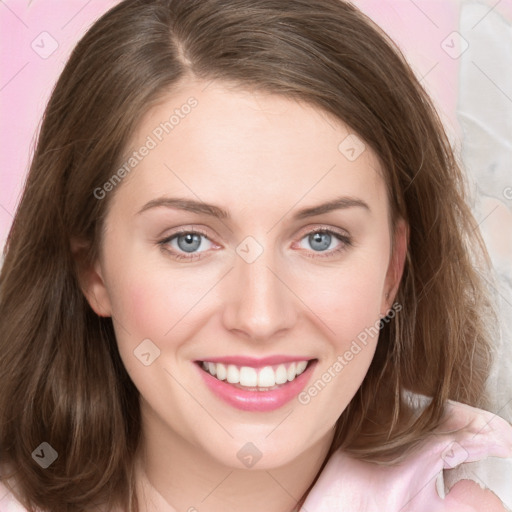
[[320, 241], [189, 242], [325, 241], [185, 245]]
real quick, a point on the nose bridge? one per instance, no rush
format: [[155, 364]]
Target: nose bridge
[[260, 303]]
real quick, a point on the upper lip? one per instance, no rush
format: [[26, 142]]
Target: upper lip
[[256, 362]]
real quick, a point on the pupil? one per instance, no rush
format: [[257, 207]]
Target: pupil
[[192, 242], [320, 241]]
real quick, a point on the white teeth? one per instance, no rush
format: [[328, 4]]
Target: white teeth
[[233, 374], [221, 371], [281, 374], [247, 376], [291, 372], [300, 367], [266, 377]]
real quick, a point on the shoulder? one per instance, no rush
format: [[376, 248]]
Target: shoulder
[[477, 465], [464, 466], [468, 496], [8, 503], [8, 500]]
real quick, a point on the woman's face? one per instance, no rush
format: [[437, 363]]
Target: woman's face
[[210, 256]]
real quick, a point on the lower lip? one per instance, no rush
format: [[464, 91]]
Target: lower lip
[[257, 401]]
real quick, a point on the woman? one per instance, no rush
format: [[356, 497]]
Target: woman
[[242, 255]]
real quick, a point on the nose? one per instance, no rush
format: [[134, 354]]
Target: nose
[[260, 303]]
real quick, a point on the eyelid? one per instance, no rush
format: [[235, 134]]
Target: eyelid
[[184, 230], [323, 229], [343, 236]]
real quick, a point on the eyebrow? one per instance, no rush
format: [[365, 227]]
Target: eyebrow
[[199, 207]]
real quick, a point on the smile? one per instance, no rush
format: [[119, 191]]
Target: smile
[[256, 386], [256, 378]]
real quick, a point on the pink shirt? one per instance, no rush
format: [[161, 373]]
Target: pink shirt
[[471, 444], [480, 450]]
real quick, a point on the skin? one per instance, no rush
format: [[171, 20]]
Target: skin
[[469, 496], [262, 158]]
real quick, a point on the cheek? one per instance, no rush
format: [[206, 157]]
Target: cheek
[[151, 305], [350, 308], [164, 306], [347, 300]]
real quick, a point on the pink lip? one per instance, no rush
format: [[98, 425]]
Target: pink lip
[[256, 362], [257, 401]]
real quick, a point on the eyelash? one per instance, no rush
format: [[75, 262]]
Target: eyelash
[[346, 242], [179, 256]]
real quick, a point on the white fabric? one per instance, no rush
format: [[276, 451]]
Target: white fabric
[[485, 114]]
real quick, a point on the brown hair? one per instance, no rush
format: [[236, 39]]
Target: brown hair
[[61, 376]]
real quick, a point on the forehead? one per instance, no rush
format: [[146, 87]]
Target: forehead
[[228, 145]]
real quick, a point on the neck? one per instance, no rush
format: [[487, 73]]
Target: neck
[[181, 476]]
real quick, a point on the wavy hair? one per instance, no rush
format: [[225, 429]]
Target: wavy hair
[[62, 380]]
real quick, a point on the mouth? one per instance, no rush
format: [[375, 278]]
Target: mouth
[[256, 386], [251, 378]]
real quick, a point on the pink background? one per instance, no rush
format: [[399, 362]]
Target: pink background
[[26, 79], [28, 29]]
